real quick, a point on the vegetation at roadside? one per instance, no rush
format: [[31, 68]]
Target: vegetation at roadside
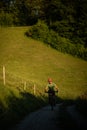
[[81, 104], [64, 118]]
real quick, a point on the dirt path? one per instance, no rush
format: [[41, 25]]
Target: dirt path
[[43, 119]]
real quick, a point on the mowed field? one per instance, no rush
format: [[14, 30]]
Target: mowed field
[[34, 61]]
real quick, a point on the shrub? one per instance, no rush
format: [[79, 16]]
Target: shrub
[[52, 39], [41, 32], [63, 28]]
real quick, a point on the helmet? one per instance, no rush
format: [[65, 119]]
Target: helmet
[[49, 80]]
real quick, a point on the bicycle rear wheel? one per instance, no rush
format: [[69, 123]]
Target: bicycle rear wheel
[[52, 102]]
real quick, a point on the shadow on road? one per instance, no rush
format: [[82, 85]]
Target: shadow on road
[[18, 108]]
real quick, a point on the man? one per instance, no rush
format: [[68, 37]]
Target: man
[[51, 88]]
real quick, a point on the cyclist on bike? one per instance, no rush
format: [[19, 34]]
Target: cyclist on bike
[[51, 88]]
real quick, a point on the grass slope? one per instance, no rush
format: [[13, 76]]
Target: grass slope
[[34, 61]]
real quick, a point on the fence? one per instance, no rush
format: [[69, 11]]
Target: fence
[[8, 79]]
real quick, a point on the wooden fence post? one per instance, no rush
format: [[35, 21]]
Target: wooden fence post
[[34, 89], [4, 75], [25, 85]]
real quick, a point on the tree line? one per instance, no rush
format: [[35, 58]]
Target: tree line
[[68, 18]]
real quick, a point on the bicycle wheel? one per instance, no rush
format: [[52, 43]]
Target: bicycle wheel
[[52, 102]]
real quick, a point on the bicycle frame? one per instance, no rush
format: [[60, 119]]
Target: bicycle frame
[[52, 97]]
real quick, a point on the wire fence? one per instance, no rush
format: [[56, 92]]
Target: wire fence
[[1, 73], [9, 79]]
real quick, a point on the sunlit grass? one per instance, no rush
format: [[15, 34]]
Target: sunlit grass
[[34, 61]]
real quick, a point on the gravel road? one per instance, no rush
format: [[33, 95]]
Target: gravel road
[[43, 119]]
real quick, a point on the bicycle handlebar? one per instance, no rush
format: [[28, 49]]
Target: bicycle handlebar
[[51, 91]]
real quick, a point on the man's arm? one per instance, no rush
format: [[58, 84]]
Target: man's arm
[[46, 89], [56, 88]]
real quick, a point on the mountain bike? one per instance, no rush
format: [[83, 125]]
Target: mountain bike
[[52, 98]]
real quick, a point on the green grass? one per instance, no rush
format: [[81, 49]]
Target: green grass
[[34, 61]]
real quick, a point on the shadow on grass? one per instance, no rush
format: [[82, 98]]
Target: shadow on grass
[[18, 108], [81, 104]]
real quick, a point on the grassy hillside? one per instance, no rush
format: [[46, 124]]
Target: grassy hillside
[[34, 61]]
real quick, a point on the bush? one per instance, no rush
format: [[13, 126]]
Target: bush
[[63, 28], [52, 39], [41, 32]]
